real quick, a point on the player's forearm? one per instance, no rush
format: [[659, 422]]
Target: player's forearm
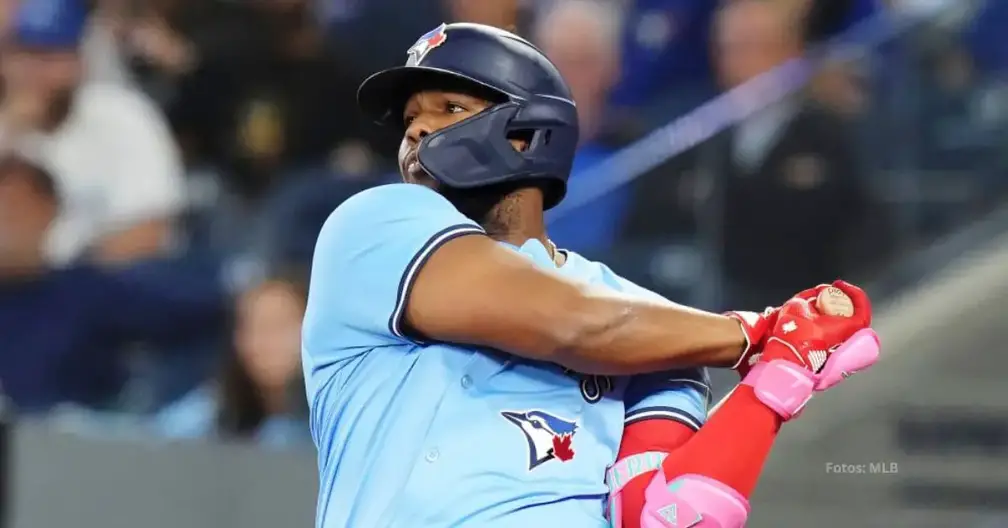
[[621, 336]]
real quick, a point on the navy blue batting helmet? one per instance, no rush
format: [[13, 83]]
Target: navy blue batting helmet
[[532, 102]]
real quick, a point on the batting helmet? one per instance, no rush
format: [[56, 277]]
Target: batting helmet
[[532, 102]]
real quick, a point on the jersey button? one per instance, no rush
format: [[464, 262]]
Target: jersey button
[[466, 382], [432, 455]]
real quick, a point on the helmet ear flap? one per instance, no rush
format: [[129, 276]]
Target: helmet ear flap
[[554, 122], [553, 130]]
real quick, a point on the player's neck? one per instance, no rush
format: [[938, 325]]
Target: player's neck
[[519, 218]]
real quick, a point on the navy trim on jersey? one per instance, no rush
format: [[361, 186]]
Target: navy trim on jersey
[[663, 413], [703, 384], [414, 266]]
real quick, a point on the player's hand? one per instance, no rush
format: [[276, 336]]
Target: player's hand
[[757, 326], [804, 335], [809, 351]]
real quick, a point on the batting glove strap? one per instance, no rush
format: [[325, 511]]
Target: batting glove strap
[[755, 327]]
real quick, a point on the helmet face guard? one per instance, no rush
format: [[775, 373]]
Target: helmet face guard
[[537, 108]]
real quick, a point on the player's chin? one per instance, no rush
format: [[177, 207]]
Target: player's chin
[[420, 178]]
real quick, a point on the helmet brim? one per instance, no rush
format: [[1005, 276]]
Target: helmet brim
[[383, 96]]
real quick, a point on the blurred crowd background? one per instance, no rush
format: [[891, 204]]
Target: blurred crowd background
[[167, 164]]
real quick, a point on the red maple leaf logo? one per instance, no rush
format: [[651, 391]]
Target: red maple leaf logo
[[562, 448], [435, 40]]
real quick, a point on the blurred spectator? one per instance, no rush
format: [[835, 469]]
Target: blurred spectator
[[582, 38], [839, 86], [63, 329], [822, 19], [258, 394], [665, 53], [929, 8], [111, 153], [7, 9], [782, 187], [790, 186], [499, 13], [252, 88], [101, 46], [30, 203], [985, 37], [401, 23], [293, 216]]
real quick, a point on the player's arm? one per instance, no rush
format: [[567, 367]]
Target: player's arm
[[399, 262], [663, 411], [473, 290], [667, 436], [716, 469], [663, 467]]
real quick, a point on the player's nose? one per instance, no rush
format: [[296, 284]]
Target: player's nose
[[417, 130]]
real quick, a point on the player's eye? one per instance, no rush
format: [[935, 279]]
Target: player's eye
[[408, 120], [453, 108]]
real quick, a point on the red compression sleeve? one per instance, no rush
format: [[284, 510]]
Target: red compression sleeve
[[655, 435], [730, 448]]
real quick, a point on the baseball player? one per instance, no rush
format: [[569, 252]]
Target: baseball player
[[463, 371]]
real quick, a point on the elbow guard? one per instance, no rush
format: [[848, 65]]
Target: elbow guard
[[692, 501], [689, 501]]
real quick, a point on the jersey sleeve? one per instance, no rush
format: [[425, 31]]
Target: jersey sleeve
[[367, 256], [679, 395]]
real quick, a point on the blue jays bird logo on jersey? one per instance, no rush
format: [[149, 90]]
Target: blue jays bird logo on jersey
[[425, 44], [549, 436]]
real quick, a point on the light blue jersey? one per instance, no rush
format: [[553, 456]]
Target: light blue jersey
[[434, 435]]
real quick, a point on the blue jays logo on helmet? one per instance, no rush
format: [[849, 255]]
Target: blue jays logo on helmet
[[549, 437], [425, 44]]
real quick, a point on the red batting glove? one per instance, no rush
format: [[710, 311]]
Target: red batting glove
[[756, 327], [807, 337]]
